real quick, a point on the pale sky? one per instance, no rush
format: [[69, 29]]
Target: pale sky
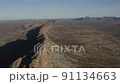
[[41, 9]]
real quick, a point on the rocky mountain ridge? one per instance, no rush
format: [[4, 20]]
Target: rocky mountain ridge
[[98, 19]]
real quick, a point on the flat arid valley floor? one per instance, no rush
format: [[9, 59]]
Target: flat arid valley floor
[[101, 40]]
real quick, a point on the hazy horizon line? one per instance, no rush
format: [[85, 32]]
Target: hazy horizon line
[[58, 18]]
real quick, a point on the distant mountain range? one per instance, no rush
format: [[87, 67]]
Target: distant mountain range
[[99, 18]]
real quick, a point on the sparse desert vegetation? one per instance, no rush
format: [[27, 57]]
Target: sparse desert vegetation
[[100, 37]]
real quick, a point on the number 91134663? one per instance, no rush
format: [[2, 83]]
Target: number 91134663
[[88, 76]]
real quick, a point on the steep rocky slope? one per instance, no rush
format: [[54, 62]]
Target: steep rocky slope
[[31, 59]]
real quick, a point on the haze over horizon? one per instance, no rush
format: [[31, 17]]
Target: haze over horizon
[[48, 9]]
